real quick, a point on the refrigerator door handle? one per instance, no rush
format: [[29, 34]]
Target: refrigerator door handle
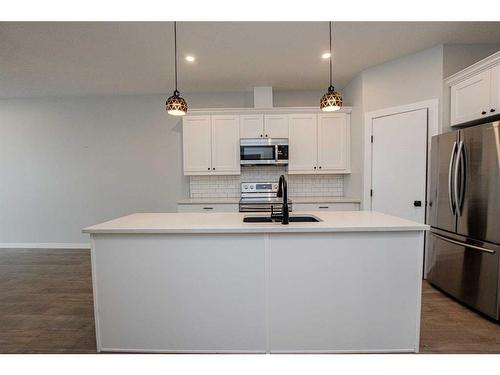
[[451, 199], [457, 182], [479, 248]]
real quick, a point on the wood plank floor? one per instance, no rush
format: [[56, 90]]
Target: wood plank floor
[[46, 307], [46, 302]]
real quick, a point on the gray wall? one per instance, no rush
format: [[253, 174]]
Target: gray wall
[[66, 163], [459, 56], [69, 163], [405, 80]]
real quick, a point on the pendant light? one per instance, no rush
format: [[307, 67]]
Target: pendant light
[[176, 105], [332, 100]]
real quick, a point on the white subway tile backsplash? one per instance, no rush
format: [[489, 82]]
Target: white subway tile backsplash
[[298, 185]]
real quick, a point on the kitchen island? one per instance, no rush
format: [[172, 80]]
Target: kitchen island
[[198, 282]]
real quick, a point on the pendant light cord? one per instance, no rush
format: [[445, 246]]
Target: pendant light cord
[[331, 66], [175, 53]]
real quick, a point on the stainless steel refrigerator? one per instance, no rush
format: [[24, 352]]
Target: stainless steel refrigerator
[[464, 203]]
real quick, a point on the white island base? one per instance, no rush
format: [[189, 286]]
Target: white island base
[[207, 283]]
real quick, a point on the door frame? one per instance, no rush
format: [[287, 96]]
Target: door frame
[[432, 107], [433, 128]]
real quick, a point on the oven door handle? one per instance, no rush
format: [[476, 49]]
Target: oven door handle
[[276, 153], [479, 248]]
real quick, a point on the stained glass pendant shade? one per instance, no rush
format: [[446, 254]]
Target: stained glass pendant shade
[[176, 105], [332, 100]]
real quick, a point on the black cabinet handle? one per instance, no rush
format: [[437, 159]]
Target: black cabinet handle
[[417, 203], [208, 168], [314, 167], [261, 135], [323, 207], [483, 113], [320, 167], [266, 135], [492, 110], [213, 169], [208, 208]]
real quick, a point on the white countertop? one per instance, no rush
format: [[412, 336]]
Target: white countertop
[[332, 221], [294, 200]]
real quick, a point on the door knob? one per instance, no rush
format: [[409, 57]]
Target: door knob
[[417, 203]]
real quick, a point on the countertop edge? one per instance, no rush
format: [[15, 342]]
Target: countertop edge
[[255, 230]]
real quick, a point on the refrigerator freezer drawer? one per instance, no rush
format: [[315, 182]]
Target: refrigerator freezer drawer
[[468, 273]]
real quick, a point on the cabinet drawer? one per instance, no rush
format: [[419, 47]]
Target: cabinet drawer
[[207, 207], [326, 206]]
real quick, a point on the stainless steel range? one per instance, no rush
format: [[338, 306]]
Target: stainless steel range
[[261, 197]]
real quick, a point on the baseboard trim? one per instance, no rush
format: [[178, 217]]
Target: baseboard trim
[[46, 246]]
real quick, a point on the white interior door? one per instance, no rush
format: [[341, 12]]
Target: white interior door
[[399, 154]]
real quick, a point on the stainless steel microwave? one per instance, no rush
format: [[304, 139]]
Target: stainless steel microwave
[[263, 151]]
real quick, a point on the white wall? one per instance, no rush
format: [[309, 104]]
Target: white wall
[[459, 56], [406, 80], [69, 163], [66, 163], [353, 95]]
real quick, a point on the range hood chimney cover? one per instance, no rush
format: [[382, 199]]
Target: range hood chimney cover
[[263, 97]]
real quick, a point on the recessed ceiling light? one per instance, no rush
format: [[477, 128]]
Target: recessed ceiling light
[[325, 55], [190, 58]]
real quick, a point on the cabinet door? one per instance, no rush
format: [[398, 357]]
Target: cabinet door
[[303, 149], [225, 144], [276, 126], [326, 206], [333, 141], [196, 140], [251, 126], [470, 99], [209, 207], [495, 90]]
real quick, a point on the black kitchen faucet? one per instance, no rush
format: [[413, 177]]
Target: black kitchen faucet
[[283, 192]]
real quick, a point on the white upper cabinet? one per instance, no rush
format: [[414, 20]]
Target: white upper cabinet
[[470, 99], [303, 154], [225, 144], [251, 126], [333, 141], [475, 91], [211, 145], [276, 126], [197, 149], [495, 89], [264, 126], [319, 144]]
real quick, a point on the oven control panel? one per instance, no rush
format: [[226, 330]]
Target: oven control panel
[[259, 187]]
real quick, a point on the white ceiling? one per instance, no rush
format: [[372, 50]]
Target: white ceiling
[[59, 58]]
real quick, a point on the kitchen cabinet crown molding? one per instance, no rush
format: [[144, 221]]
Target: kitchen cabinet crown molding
[[484, 64], [275, 110]]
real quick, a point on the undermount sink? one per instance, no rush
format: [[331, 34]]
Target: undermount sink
[[292, 219]]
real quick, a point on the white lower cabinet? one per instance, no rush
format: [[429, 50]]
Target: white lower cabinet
[[325, 206], [208, 207], [343, 292]]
